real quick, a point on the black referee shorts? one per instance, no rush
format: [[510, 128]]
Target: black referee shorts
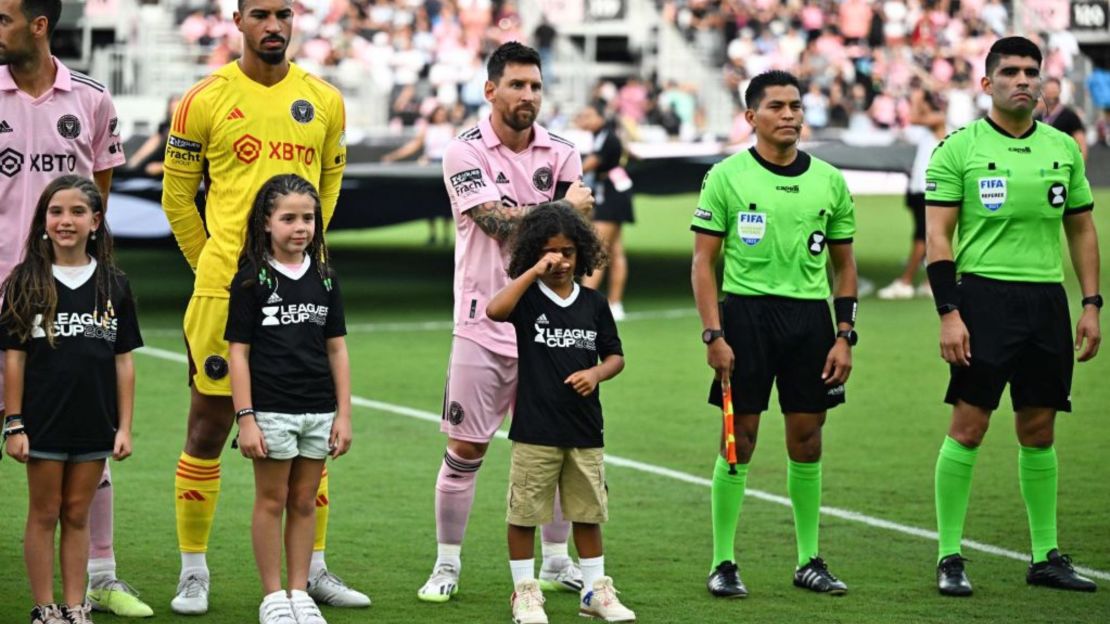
[[783, 341], [1021, 335]]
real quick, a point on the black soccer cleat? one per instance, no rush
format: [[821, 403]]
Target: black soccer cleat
[[1058, 573], [951, 579], [725, 582], [815, 576]]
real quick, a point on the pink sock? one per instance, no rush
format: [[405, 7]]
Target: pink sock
[[100, 519], [558, 530], [454, 496]]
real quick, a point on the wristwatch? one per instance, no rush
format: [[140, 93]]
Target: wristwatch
[[946, 308], [1095, 300], [709, 335], [850, 335]]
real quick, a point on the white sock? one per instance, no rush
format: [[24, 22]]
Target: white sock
[[316, 564], [450, 554], [554, 553], [523, 570], [101, 570], [193, 562], [592, 569]]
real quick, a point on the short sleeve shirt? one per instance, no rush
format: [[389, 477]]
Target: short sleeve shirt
[[478, 168], [70, 402], [70, 129], [287, 317], [776, 223], [1013, 194], [557, 337]]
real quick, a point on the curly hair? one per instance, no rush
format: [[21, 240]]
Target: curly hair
[[538, 226], [257, 246]]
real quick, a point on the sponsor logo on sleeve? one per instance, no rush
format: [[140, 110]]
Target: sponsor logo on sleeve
[[930, 186], [467, 182], [113, 126], [177, 142], [992, 192], [182, 151], [703, 214]]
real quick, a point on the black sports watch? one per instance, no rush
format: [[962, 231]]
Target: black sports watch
[[709, 335], [850, 335], [946, 308], [1095, 300]]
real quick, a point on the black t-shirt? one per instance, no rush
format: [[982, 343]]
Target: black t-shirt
[[1065, 121], [70, 401], [286, 317], [607, 148], [555, 338]]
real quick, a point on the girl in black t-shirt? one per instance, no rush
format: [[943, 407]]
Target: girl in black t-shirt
[[290, 381], [562, 331], [68, 326]]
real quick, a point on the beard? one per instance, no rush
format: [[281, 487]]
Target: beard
[[13, 57], [520, 119], [272, 56]]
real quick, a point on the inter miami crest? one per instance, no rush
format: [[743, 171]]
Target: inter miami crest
[[816, 243], [215, 367], [69, 126], [1057, 195], [302, 111], [455, 413], [543, 179]]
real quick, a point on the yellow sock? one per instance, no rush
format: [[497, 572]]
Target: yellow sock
[[197, 488], [322, 507]]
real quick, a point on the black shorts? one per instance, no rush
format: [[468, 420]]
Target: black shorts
[[783, 341], [916, 203], [1021, 335], [612, 205]]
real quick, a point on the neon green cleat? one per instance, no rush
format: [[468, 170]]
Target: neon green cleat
[[119, 598]]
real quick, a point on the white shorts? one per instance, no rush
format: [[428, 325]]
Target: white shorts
[[295, 435], [481, 390]]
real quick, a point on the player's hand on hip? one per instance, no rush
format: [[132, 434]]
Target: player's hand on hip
[[581, 197], [720, 358], [584, 382], [838, 364], [955, 341], [252, 444], [122, 448], [1087, 331], [19, 447], [340, 440], [550, 261]]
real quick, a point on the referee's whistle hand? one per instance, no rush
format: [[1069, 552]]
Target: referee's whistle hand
[[955, 341], [838, 364], [1088, 335], [720, 358]]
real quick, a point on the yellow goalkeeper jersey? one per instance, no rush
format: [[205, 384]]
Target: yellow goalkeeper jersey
[[236, 134]]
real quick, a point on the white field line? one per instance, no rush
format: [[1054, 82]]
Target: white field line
[[836, 512], [427, 326]]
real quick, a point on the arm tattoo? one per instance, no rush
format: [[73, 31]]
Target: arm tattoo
[[499, 220]]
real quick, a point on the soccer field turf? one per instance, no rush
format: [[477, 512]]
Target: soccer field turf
[[880, 451]]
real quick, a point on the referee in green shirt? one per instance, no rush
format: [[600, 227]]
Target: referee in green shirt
[[780, 215], [1006, 184]]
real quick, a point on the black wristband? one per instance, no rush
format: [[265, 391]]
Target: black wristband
[[942, 279], [10, 417], [845, 309], [246, 411]]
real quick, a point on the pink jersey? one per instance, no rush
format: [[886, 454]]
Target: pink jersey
[[72, 128], [477, 169]]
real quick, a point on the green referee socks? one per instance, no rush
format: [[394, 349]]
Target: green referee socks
[[727, 495], [803, 483], [953, 489], [1037, 473]]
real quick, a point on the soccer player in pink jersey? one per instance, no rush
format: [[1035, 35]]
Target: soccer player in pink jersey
[[494, 174], [53, 122]]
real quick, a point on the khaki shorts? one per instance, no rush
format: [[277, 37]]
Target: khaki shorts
[[205, 323], [579, 474], [295, 435]]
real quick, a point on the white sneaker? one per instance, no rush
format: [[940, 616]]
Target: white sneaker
[[304, 608], [327, 588], [441, 585], [601, 602], [560, 574], [276, 609], [192, 595], [618, 311], [924, 290], [896, 290], [864, 287], [527, 603]]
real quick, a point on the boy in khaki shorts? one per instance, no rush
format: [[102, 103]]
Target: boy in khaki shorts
[[562, 331]]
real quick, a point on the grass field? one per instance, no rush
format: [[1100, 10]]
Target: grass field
[[880, 450]]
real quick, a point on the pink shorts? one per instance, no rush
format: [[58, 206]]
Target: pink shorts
[[481, 389]]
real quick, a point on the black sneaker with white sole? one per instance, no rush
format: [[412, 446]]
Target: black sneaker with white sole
[[724, 581], [815, 576], [951, 578], [1058, 573]]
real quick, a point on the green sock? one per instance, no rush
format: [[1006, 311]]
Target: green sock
[[727, 497], [803, 483], [1037, 474], [953, 489]]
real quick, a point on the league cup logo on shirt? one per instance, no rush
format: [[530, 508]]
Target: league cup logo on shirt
[[72, 324], [992, 192], [294, 314], [557, 337], [751, 226]]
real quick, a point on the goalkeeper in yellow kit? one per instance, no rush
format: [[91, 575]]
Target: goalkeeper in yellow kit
[[250, 120]]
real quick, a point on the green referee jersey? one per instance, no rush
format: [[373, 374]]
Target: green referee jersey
[[776, 222], [1012, 194]]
